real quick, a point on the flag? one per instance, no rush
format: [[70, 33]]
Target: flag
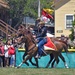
[[49, 11], [49, 16], [44, 13]]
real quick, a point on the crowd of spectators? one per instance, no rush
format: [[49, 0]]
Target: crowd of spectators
[[7, 52]]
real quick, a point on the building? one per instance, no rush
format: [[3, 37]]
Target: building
[[4, 10], [4, 4], [64, 15]]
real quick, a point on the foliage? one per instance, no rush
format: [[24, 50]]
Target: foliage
[[72, 34], [21, 8], [16, 8], [72, 30], [73, 23]]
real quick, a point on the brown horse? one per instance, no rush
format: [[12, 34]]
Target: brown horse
[[32, 49]]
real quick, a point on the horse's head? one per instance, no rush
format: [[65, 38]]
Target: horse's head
[[26, 38], [22, 31], [21, 39]]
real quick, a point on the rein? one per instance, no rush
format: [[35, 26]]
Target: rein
[[31, 40], [31, 48]]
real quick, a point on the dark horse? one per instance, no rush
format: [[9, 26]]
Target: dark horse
[[32, 49]]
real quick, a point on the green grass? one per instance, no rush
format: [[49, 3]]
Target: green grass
[[36, 71]]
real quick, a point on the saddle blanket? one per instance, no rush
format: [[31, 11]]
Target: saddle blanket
[[48, 48], [49, 45]]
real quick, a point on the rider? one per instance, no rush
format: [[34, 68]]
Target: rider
[[36, 25], [41, 38]]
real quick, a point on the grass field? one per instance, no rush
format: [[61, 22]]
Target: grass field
[[37, 71]]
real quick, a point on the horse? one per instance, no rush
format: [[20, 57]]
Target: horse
[[32, 50]]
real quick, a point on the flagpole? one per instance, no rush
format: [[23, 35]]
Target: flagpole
[[38, 8]]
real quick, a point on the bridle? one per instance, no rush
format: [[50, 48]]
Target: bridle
[[31, 40], [24, 39]]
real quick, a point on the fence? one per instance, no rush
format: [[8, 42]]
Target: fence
[[70, 59]]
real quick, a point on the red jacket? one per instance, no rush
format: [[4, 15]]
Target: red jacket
[[2, 49], [11, 50]]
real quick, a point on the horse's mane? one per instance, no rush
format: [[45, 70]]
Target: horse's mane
[[27, 33], [23, 31]]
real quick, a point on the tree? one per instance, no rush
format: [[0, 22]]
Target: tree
[[72, 35], [27, 7], [21, 8]]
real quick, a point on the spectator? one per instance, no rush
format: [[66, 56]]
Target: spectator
[[1, 40], [11, 52], [6, 54], [2, 57], [10, 38]]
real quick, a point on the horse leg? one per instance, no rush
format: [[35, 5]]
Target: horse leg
[[24, 61], [51, 58], [36, 60], [30, 60], [52, 65], [24, 55], [55, 59], [63, 59], [24, 58]]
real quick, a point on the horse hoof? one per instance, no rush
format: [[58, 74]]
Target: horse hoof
[[17, 67], [47, 66], [67, 67], [53, 67]]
